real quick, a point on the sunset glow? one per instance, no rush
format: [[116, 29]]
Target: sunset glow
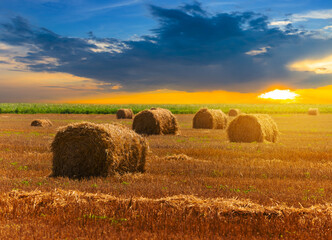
[[279, 95], [128, 51], [318, 66]]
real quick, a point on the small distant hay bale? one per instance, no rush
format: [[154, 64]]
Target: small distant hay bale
[[41, 123], [313, 111], [124, 114], [210, 119], [252, 128], [82, 150], [156, 121], [234, 112]]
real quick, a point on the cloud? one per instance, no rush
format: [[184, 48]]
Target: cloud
[[258, 51], [22, 86], [317, 14], [190, 49], [106, 46], [318, 66], [112, 6], [280, 23], [327, 27]]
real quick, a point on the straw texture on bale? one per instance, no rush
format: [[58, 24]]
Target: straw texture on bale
[[86, 150], [210, 119], [313, 111], [234, 112], [124, 114], [156, 121], [252, 128], [41, 123]]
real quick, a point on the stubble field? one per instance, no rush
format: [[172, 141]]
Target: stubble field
[[218, 190]]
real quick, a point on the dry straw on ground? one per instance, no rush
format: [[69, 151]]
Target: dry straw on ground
[[178, 157], [188, 204], [41, 123], [156, 121], [210, 119], [313, 111], [87, 149], [252, 128], [234, 112], [124, 114]]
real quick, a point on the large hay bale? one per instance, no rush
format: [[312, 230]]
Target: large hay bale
[[252, 128], [313, 111], [156, 121], [41, 123], [210, 119], [124, 114], [234, 112], [87, 149]]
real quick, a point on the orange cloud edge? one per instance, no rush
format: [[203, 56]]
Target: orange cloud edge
[[321, 95]]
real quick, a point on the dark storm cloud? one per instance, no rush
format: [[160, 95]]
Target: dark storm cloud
[[189, 50]]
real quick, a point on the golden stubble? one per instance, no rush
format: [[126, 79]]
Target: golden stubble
[[196, 185]]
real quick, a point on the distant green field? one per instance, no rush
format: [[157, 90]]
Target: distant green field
[[29, 108]]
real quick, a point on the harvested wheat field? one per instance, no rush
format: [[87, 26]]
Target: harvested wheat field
[[197, 185]]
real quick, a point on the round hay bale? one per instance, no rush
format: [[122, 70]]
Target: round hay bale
[[89, 150], [210, 119], [41, 123], [155, 121], [124, 114], [234, 112], [313, 111], [252, 128]]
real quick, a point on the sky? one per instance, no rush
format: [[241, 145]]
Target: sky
[[158, 51]]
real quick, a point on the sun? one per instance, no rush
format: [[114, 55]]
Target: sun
[[279, 95]]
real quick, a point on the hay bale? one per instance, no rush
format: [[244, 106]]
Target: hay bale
[[87, 150], [41, 123], [124, 114], [210, 119], [234, 112], [252, 128], [313, 111], [156, 121]]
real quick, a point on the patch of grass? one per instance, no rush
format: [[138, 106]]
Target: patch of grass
[[24, 168]]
